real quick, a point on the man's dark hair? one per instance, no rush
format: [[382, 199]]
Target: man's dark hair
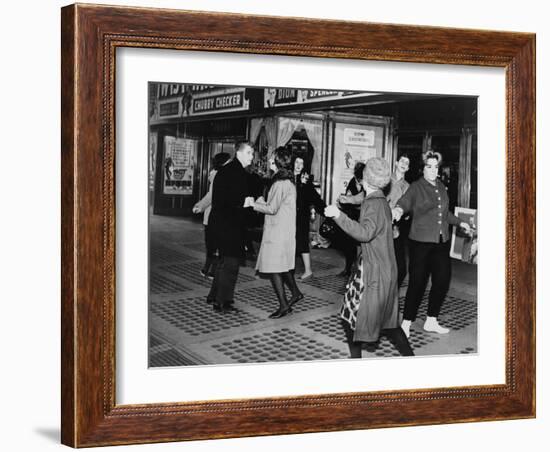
[[219, 160], [404, 154]]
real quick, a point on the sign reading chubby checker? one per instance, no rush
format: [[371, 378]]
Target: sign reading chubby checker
[[180, 100]]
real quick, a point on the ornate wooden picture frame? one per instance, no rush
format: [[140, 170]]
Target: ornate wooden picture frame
[[90, 37]]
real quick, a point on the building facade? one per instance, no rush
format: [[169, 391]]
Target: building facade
[[330, 130]]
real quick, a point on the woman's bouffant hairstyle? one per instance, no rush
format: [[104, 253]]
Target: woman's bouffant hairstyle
[[284, 164], [430, 154], [220, 159], [377, 172], [358, 170]]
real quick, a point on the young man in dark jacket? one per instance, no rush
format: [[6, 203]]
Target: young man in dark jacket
[[228, 225]]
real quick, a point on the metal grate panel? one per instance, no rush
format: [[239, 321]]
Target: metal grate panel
[[264, 298], [162, 254], [169, 358], [332, 283], [196, 317], [160, 284], [456, 313], [190, 271], [279, 345]]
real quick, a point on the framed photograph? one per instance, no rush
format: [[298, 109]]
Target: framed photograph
[[202, 152], [464, 245]]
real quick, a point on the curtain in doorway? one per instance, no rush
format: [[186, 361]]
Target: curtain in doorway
[[287, 127], [270, 127], [314, 131], [255, 127]]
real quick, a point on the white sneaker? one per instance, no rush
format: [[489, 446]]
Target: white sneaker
[[432, 326], [406, 327]]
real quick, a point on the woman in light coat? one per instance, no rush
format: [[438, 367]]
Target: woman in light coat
[[204, 206], [277, 250], [370, 307]]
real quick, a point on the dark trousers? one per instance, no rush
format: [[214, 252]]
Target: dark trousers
[[348, 246], [225, 279], [427, 259], [400, 247], [211, 251]]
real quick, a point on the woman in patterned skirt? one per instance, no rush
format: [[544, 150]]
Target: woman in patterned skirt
[[370, 308]]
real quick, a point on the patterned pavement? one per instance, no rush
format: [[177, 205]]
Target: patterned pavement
[[184, 330]]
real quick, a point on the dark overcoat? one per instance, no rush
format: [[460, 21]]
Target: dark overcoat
[[227, 219], [307, 196], [378, 308]]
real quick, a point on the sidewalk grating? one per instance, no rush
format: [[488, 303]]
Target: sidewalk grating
[[195, 317], [279, 345], [264, 298], [193, 334]]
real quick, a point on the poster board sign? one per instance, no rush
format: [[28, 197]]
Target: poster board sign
[[465, 246], [178, 166], [151, 164], [353, 143]]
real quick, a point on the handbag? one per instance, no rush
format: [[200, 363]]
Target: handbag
[[328, 229]]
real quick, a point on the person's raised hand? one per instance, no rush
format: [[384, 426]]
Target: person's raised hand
[[396, 213], [332, 211], [248, 202]]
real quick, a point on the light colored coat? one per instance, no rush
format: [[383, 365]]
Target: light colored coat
[[278, 248], [378, 308], [205, 204]]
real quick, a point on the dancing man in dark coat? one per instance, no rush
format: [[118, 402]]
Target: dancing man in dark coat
[[228, 223]]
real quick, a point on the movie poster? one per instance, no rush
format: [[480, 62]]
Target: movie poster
[[179, 160]]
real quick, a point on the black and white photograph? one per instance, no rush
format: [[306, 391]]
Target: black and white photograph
[[291, 224], [202, 250]]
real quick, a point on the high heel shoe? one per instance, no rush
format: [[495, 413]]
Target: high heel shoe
[[280, 313], [295, 299]]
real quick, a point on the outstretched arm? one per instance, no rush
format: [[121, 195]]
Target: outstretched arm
[[271, 207], [365, 230], [316, 199], [204, 203]]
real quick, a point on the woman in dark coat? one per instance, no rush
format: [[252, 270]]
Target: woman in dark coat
[[348, 245], [307, 196], [277, 250], [370, 307]]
